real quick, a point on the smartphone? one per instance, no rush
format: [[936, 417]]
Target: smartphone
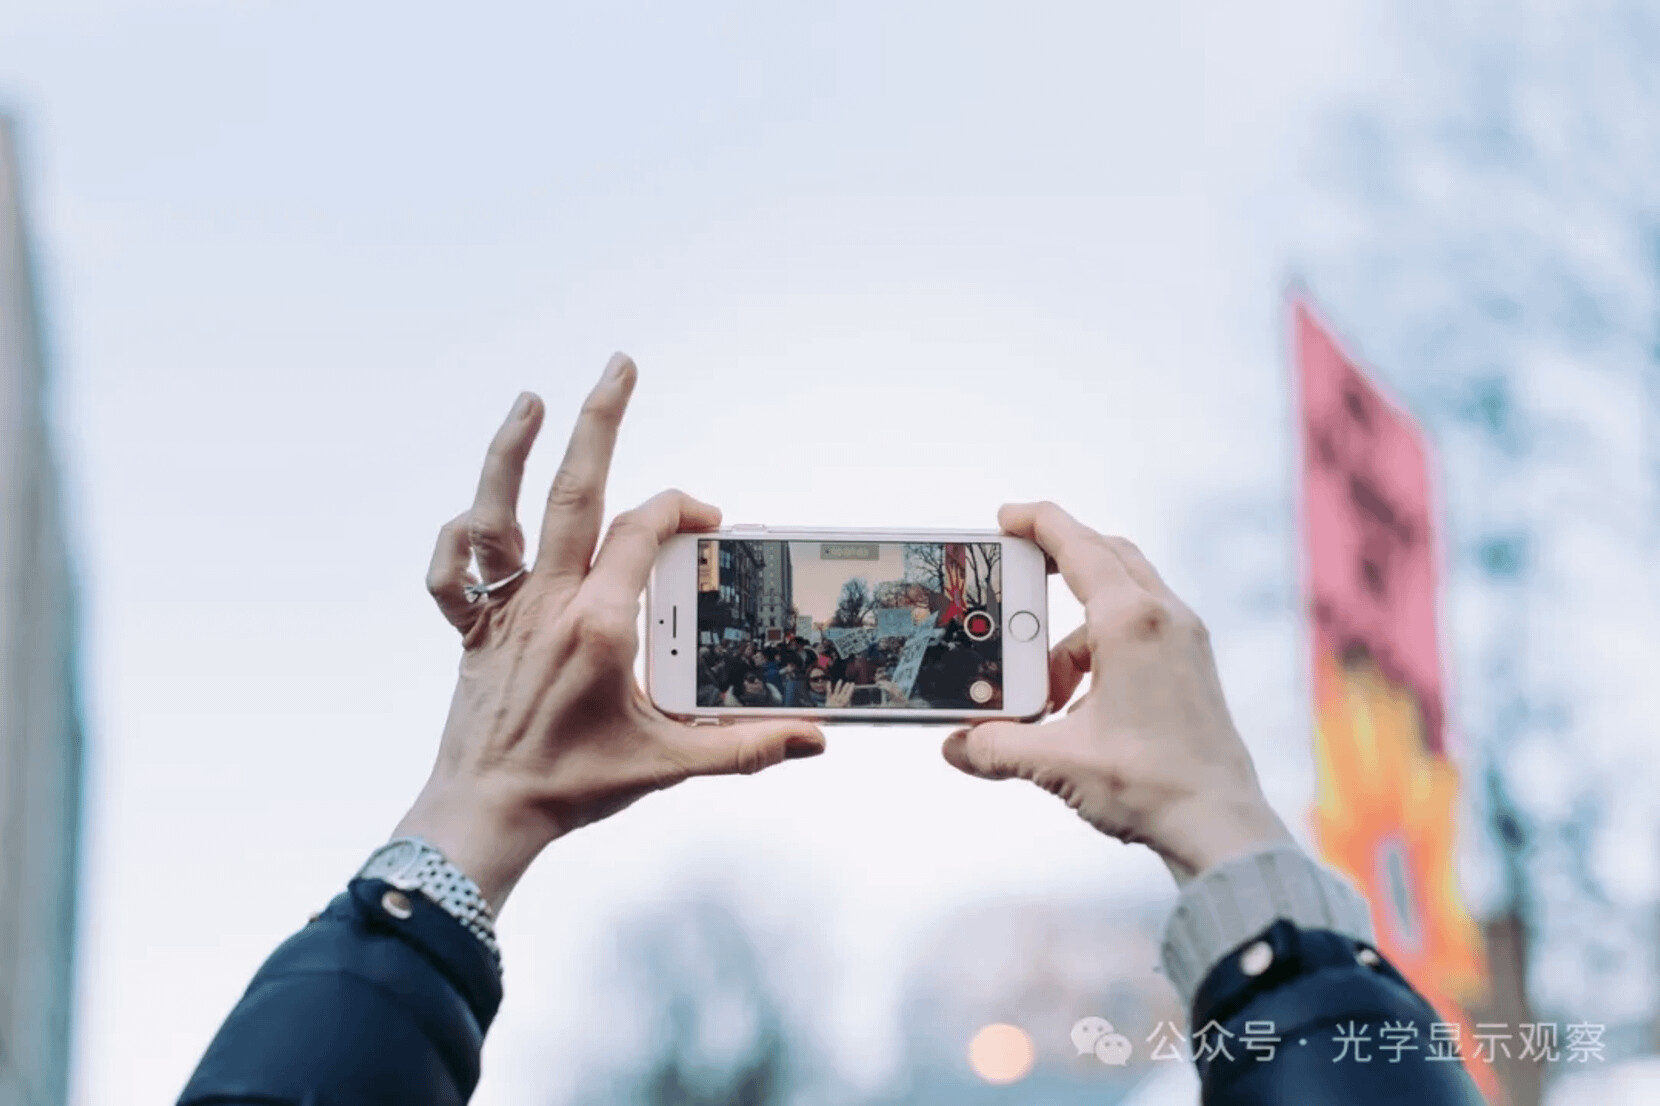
[[850, 625]]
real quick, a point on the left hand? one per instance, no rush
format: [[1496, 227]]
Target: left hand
[[841, 695], [548, 729]]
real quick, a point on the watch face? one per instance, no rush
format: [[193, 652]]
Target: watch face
[[391, 858]]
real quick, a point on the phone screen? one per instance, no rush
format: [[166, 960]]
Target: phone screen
[[879, 625]]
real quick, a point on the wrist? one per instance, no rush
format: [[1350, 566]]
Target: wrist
[[490, 841], [1204, 831]]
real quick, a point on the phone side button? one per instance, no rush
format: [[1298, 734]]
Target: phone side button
[[706, 721]]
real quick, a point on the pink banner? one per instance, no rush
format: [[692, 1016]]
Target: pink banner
[[1368, 540]]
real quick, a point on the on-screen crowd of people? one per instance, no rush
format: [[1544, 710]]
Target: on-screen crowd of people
[[796, 672]]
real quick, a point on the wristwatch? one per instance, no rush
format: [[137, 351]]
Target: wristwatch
[[413, 864]]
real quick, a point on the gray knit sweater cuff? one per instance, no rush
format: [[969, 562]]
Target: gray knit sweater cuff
[[1229, 904]]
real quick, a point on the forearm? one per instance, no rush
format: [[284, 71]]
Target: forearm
[[363, 1005]]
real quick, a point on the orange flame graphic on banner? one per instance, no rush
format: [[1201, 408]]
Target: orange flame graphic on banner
[[1386, 815]]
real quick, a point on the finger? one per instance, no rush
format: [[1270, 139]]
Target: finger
[[576, 501], [624, 563], [1001, 750], [447, 576], [1087, 562], [498, 543], [1069, 662], [1141, 570], [746, 747]]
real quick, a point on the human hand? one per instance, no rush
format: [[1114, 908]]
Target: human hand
[[548, 729], [1150, 753], [840, 695], [895, 696]]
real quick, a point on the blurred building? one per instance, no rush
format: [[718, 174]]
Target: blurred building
[[777, 612], [40, 727], [728, 590]]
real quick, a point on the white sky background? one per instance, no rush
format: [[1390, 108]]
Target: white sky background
[[298, 259]]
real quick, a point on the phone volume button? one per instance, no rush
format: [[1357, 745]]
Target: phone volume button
[[748, 527]]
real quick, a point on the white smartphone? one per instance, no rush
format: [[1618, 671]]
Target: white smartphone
[[850, 625]]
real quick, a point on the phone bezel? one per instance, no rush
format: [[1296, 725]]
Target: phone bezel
[[671, 677]]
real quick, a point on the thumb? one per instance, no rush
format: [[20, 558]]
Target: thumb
[[748, 747], [1000, 750]]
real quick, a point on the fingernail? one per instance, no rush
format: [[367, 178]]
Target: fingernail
[[797, 748], [521, 406], [615, 367]]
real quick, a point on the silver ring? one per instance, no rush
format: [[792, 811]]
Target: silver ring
[[477, 593]]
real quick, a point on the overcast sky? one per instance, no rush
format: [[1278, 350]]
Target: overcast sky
[[879, 265], [817, 582]]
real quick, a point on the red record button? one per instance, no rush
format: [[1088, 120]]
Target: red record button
[[978, 625]]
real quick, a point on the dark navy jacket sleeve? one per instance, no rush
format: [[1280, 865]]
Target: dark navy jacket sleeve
[[360, 1007], [1319, 1018]]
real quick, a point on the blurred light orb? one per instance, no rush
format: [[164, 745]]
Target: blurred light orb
[[1001, 1053]]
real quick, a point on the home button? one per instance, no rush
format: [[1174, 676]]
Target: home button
[[1023, 626]]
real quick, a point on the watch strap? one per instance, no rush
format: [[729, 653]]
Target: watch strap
[[415, 864]]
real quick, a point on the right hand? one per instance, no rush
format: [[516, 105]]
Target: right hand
[[895, 696], [1150, 753], [548, 729], [841, 695]]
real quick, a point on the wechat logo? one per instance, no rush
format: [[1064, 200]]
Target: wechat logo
[[1097, 1035]]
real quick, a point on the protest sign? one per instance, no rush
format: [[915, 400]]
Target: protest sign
[[895, 622], [851, 640], [910, 657]]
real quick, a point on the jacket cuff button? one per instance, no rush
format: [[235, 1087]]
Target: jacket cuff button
[[1368, 958], [1256, 958], [397, 904]]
